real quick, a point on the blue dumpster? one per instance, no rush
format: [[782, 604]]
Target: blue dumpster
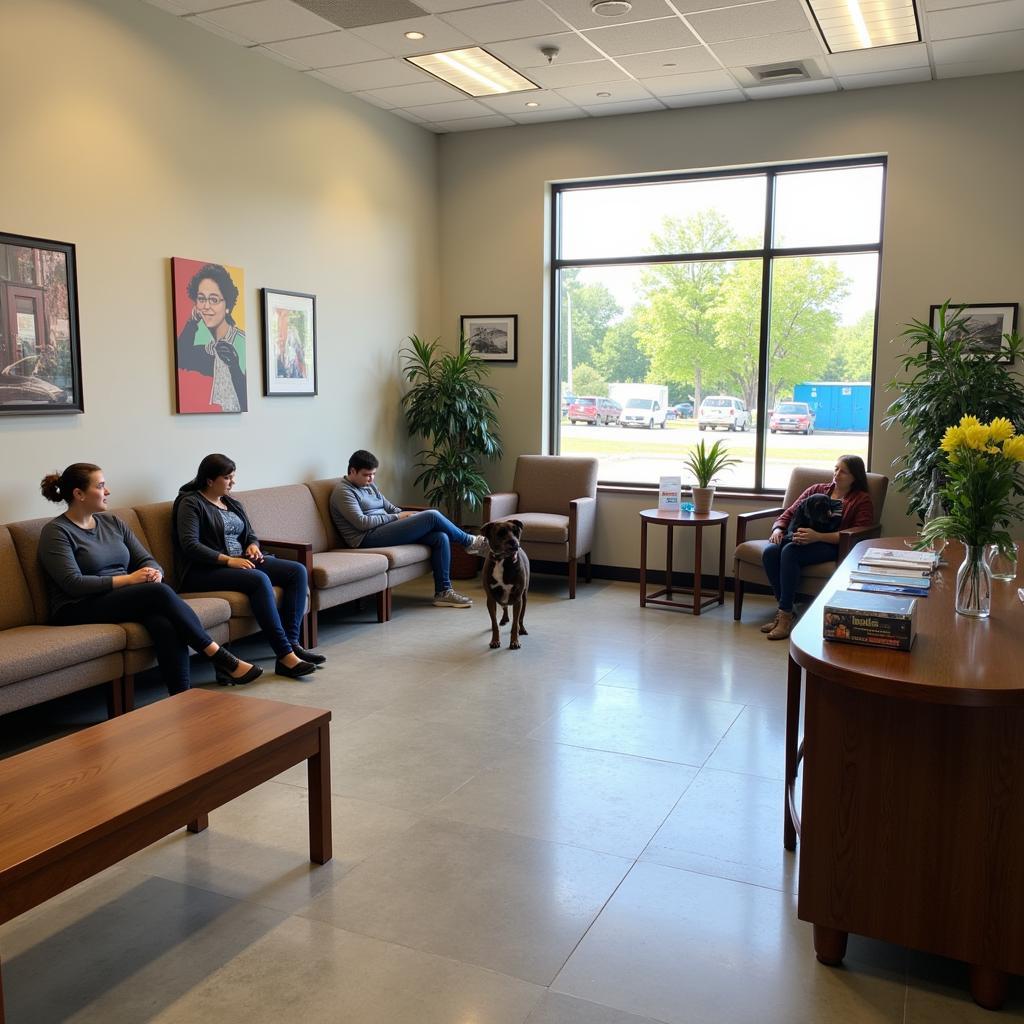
[[837, 405]]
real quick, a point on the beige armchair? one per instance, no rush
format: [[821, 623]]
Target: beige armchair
[[747, 566], [555, 497]]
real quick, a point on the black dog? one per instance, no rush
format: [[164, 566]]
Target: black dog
[[816, 512], [506, 577]]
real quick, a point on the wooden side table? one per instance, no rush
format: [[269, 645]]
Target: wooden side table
[[664, 597]]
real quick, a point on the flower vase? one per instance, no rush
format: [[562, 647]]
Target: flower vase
[[974, 584], [1003, 564]]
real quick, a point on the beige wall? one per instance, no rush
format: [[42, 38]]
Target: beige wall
[[139, 137], [954, 210]]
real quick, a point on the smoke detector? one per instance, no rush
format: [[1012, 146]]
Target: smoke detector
[[610, 8]]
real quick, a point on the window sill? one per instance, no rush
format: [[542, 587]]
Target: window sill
[[650, 491]]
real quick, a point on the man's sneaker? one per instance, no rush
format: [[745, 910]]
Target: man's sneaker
[[478, 546], [450, 599]]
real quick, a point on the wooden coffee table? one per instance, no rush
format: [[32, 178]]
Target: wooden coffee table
[[71, 808]]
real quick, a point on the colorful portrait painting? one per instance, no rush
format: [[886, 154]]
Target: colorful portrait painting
[[209, 336], [289, 343]]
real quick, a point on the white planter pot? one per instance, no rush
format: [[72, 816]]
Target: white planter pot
[[702, 499]]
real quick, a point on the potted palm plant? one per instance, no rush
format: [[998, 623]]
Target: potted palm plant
[[705, 464], [454, 411]]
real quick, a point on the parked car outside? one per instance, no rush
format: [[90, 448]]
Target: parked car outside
[[643, 412], [591, 409], [684, 410], [797, 416], [567, 400], [723, 411], [19, 384]]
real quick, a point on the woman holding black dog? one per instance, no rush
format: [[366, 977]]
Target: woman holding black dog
[[218, 550], [789, 551]]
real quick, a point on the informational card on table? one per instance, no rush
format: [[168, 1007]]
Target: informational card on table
[[669, 492]]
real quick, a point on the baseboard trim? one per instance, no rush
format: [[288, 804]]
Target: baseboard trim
[[627, 574]]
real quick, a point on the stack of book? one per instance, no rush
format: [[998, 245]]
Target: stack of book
[[874, 620], [890, 571]]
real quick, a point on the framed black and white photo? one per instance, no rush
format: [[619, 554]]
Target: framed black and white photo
[[984, 326], [40, 353], [492, 337], [289, 343]]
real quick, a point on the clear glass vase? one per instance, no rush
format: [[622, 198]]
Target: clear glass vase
[[974, 584], [1002, 564]]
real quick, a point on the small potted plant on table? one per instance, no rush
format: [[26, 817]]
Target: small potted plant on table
[[705, 464]]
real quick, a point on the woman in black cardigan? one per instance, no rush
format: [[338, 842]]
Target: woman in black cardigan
[[218, 550]]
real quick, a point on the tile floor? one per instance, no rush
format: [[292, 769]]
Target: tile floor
[[586, 831]]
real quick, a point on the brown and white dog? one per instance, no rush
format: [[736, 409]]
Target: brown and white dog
[[506, 577]]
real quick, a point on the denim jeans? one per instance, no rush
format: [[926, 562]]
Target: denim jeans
[[429, 528], [784, 565]]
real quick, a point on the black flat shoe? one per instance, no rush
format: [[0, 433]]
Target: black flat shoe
[[313, 659], [226, 679], [304, 668]]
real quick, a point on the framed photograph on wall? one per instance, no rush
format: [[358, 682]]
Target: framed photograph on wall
[[40, 353], [289, 343], [492, 337], [209, 336], [984, 327]]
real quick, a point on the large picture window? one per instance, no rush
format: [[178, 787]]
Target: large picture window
[[738, 306]]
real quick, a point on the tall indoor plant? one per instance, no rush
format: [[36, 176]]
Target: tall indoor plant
[[705, 464], [946, 379], [451, 407]]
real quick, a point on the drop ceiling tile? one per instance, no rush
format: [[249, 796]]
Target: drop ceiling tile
[[515, 102], [525, 53], [449, 111], [1006, 16], [618, 92], [537, 116], [416, 95], [192, 6], [704, 99], [669, 62], [771, 92], [268, 20], [642, 37], [879, 58], [943, 5], [762, 19], [898, 76], [579, 14], [560, 75], [767, 49], [174, 6], [473, 124], [443, 6], [681, 85], [288, 62], [374, 74], [331, 49], [371, 98], [408, 115], [515, 20], [688, 7], [390, 37], [219, 30], [633, 107], [1000, 49], [992, 66]]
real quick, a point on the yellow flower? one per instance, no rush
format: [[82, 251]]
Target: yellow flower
[[976, 436], [1013, 447], [952, 439], [1000, 429], [969, 421]]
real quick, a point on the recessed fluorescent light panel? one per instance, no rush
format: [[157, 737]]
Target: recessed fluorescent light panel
[[474, 71], [861, 24]]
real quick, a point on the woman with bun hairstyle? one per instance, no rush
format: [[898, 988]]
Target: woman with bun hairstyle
[[218, 550], [98, 571]]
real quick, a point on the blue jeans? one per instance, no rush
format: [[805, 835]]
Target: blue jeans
[[429, 528], [784, 565], [281, 630]]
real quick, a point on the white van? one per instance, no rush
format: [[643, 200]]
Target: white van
[[723, 411], [643, 412]]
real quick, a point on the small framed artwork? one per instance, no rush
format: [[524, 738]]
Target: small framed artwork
[[209, 336], [289, 343], [491, 337], [40, 353], [985, 323]]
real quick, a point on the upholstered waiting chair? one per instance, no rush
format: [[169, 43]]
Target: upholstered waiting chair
[[747, 567], [555, 496]]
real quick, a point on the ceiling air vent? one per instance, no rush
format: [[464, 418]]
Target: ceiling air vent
[[770, 73], [357, 13]]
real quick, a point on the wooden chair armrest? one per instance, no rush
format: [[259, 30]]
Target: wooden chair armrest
[[854, 535], [293, 550], [743, 519]]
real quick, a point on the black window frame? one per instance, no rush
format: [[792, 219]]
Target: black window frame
[[767, 254]]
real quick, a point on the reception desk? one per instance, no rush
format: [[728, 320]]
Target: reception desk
[[912, 818]]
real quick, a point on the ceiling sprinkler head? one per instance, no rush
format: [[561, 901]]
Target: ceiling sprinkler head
[[610, 8], [551, 52]]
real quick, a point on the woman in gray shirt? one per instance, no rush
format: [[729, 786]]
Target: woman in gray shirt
[[98, 571]]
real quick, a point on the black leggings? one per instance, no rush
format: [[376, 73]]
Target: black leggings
[[172, 625]]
